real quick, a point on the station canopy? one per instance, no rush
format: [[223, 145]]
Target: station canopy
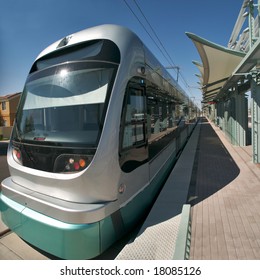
[[218, 65]]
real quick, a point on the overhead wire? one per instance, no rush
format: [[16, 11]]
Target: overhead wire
[[159, 45], [155, 34], [144, 27]]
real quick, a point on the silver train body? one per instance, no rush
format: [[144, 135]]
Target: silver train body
[[95, 135]]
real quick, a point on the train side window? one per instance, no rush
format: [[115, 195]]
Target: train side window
[[161, 125], [134, 118], [133, 150]]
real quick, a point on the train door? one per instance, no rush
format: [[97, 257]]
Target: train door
[[133, 153], [133, 142]]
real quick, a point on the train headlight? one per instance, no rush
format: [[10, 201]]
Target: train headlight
[[17, 155], [71, 163]]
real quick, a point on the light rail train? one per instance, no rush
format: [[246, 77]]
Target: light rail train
[[95, 135]]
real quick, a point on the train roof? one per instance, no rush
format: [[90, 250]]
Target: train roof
[[117, 34], [121, 36]]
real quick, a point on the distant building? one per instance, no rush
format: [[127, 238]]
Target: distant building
[[8, 107]]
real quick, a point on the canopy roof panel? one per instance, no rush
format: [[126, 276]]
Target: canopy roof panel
[[218, 64], [200, 67], [249, 62]]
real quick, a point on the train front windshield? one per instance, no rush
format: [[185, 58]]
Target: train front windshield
[[61, 115], [65, 104]]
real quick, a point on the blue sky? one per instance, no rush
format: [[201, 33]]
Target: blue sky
[[29, 26]]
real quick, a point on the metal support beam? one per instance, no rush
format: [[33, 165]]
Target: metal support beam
[[241, 118], [251, 24], [220, 114], [232, 128], [232, 117], [255, 111]]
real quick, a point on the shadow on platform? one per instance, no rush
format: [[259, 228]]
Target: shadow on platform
[[213, 169]]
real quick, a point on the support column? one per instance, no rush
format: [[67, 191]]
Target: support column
[[219, 114], [241, 119], [233, 128], [230, 119], [255, 111], [235, 118], [222, 110], [225, 123], [212, 112]]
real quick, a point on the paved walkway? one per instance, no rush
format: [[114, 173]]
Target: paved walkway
[[225, 199]]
